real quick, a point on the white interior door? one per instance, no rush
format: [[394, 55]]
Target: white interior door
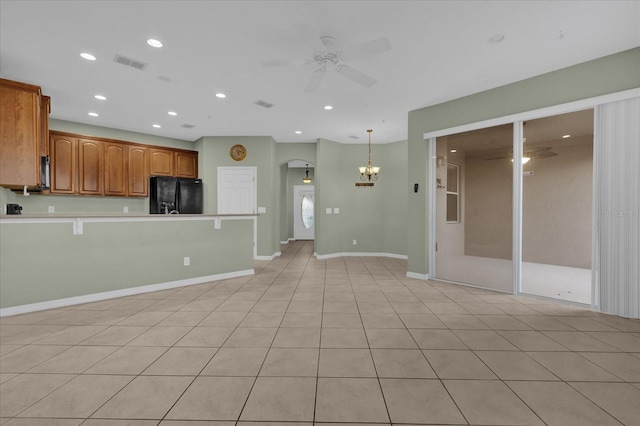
[[237, 193], [303, 212]]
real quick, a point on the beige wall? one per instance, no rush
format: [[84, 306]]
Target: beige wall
[[557, 204]]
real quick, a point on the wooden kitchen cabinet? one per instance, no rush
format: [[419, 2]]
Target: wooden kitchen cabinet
[[87, 165], [161, 162], [63, 151], [23, 119], [115, 169], [90, 167], [187, 164], [138, 171]]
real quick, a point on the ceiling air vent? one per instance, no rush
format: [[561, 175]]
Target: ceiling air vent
[[188, 126], [264, 104], [130, 62]]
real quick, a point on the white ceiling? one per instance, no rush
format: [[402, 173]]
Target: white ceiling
[[439, 51]]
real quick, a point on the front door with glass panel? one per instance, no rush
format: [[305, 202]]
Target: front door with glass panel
[[303, 212]]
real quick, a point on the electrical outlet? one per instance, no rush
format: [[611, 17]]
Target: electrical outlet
[[187, 261], [355, 242], [125, 209], [52, 209]]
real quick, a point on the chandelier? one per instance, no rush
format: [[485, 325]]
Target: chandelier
[[369, 173], [306, 178]]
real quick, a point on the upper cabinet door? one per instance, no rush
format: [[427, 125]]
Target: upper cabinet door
[[138, 168], [187, 164], [161, 162], [63, 152], [115, 169], [20, 137], [90, 167]]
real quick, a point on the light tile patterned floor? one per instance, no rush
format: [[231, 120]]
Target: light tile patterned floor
[[346, 340]]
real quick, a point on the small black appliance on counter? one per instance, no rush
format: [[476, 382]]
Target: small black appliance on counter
[[169, 195], [14, 209]]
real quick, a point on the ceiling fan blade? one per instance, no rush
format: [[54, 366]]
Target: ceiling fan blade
[[372, 47], [315, 81], [310, 36], [355, 75]]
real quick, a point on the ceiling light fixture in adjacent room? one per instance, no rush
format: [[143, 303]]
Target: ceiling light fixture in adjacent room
[[328, 107], [154, 43], [157, 126], [172, 113], [88, 56], [368, 173], [306, 178], [100, 97], [525, 160], [566, 136], [454, 150], [94, 114], [221, 95], [298, 132]]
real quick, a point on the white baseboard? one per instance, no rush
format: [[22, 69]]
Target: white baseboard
[[417, 276], [359, 254], [58, 303], [273, 256]]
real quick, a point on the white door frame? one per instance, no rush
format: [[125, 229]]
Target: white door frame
[[516, 120]]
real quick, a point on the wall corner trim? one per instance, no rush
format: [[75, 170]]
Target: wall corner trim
[[417, 276], [273, 256], [58, 303]]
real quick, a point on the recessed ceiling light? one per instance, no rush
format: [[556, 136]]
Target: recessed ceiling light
[[454, 150], [566, 136], [94, 114], [154, 43], [496, 38], [100, 97], [298, 132], [157, 126], [172, 113], [88, 56], [221, 95], [328, 107]]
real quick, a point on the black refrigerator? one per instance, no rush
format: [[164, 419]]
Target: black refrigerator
[[169, 195]]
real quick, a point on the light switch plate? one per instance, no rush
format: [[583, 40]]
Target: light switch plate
[[328, 210], [336, 210], [52, 209], [262, 209]]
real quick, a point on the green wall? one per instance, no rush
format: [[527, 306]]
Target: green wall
[[602, 76], [45, 261], [374, 217]]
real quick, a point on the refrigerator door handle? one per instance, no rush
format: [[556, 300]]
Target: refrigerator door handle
[[178, 206]]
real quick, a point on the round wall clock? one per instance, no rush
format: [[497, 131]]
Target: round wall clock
[[238, 152]]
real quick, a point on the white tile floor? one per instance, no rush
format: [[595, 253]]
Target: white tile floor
[[347, 340]]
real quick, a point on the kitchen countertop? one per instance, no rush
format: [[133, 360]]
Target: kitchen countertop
[[117, 215]]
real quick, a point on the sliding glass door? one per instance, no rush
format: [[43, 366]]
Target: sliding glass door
[[474, 178], [546, 246], [557, 204]]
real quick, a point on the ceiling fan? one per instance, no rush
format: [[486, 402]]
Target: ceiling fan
[[537, 152], [326, 55]]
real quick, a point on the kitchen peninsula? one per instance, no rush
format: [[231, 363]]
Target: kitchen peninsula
[[57, 260]]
